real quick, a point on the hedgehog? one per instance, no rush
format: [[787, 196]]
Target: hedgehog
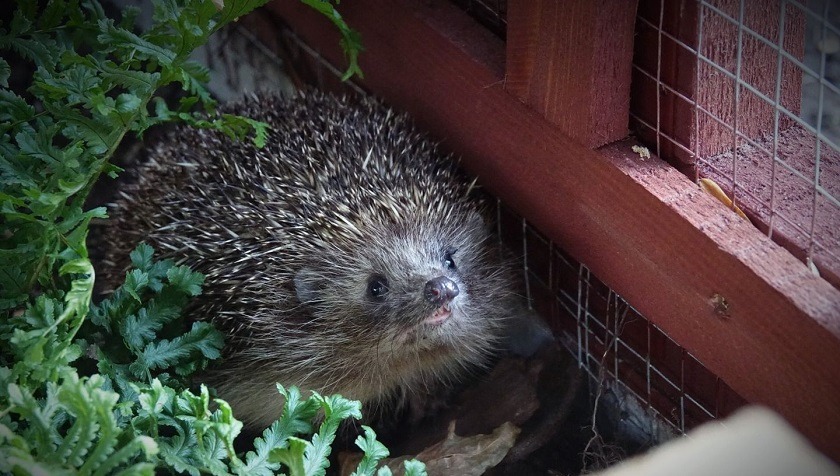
[[349, 255]]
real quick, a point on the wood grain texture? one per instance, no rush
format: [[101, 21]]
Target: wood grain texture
[[673, 57], [752, 115], [642, 227], [571, 60]]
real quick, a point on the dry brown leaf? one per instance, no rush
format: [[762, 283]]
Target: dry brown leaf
[[472, 455], [464, 456], [713, 189]]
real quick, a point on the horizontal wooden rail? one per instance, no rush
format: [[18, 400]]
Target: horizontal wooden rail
[[746, 308]]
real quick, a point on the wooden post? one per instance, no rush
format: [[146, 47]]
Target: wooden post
[[570, 60]]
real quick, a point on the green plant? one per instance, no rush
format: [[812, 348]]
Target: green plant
[[351, 41], [104, 388]]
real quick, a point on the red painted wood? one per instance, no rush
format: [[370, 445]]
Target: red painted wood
[[711, 86], [753, 116], [641, 226], [570, 60], [678, 70]]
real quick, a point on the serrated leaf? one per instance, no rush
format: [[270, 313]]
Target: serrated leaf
[[128, 103], [35, 353], [414, 468], [140, 83], [317, 453], [192, 84], [338, 408], [135, 281], [374, 452], [257, 461], [13, 107], [98, 136], [141, 257], [198, 73], [12, 175], [77, 299], [15, 395], [140, 444], [178, 451], [233, 9], [39, 147], [75, 84], [126, 40], [291, 456], [20, 23], [39, 52], [351, 40], [53, 14], [138, 329], [202, 340], [297, 414], [5, 73], [186, 280], [155, 398]]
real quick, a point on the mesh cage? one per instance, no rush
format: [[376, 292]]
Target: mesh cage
[[746, 94]]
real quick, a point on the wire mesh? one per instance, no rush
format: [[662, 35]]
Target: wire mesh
[[613, 343], [748, 95]]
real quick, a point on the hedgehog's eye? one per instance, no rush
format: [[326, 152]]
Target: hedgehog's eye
[[377, 287], [448, 261]]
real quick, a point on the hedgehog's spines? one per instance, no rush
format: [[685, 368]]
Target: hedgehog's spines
[[344, 189]]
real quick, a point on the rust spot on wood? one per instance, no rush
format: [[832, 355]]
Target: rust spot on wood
[[720, 305]]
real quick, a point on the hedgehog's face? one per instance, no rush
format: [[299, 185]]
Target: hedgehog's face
[[417, 289], [420, 288]]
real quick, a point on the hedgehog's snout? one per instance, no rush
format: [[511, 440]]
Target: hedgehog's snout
[[440, 290]]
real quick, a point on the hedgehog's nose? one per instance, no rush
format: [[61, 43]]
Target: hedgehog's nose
[[440, 290]]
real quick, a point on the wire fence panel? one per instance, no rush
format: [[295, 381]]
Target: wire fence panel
[[747, 94]]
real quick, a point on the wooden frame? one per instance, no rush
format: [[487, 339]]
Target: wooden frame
[[746, 308], [774, 155], [583, 89]]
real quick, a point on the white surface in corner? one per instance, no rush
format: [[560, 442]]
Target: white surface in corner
[[754, 441]]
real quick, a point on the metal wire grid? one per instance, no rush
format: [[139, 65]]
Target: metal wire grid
[[612, 342], [811, 229]]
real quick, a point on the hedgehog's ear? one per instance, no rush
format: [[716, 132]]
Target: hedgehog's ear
[[477, 220], [307, 286]]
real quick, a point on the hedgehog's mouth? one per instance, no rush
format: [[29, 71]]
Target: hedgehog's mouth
[[440, 315]]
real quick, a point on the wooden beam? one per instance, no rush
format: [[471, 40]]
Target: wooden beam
[[673, 252], [570, 61]]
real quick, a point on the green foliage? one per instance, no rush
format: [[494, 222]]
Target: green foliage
[[351, 41], [76, 426], [374, 452], [310, 458], [131, 324], [104, 389], [93, 82]]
